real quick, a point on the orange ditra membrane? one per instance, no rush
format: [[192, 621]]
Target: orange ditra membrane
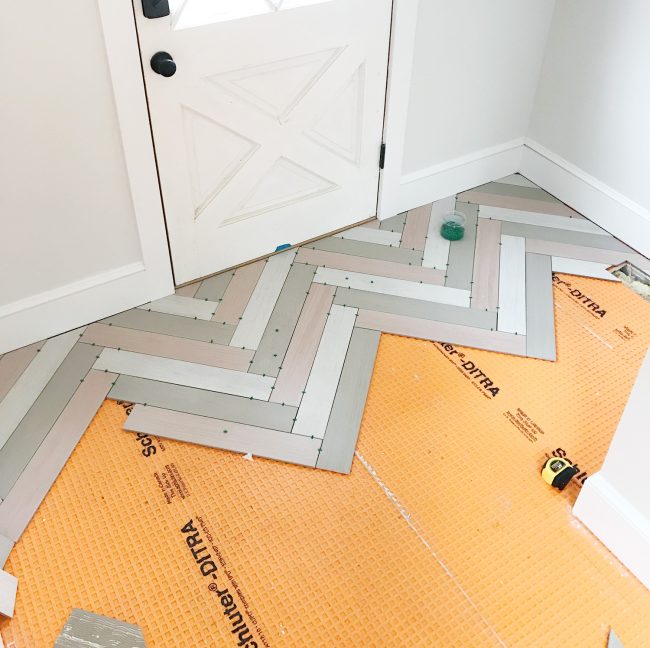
[[442, 535]]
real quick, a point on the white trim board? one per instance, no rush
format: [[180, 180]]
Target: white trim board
[[440, 181], [91, 298], [605, 206], [616, 523]]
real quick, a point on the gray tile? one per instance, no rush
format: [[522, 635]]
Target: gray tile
[[6, 545], [613, 641], [563, 236], [204, 403], [88, 629], [394, 223], [343, 426], [184, 327], [368, 250], [529, 193], [421, 309], [213, 288], [540, 320], [42, 415], [277, 335], [460, 266]]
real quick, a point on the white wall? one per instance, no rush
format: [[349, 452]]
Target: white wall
[[615, 502], [66, 205], [462, 81], [589, 136], [475, 72]]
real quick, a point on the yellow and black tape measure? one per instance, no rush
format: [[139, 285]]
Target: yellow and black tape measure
[[558, 472]]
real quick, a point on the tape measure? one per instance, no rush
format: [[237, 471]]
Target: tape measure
[[558, 472]]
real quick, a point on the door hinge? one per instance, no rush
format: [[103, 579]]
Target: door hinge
[[382, 155], [155, 8]]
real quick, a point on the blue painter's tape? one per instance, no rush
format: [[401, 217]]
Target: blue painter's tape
[[284, 246]]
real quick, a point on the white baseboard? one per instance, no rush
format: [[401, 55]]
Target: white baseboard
[[82, 302], [615, 213], [617, 524], [454, 176]]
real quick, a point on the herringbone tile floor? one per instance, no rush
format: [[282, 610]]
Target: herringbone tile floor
[[275, 358]]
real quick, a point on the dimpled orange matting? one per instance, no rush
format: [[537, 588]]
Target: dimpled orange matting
[[444, 533]]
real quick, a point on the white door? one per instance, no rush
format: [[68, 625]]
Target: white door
[[269, 131]]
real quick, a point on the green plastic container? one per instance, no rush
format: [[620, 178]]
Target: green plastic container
[[453, 226]]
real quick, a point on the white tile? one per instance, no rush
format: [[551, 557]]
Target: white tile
[[436, 248], [320, 390], [191, 374], [367, 235], [8, 587], [389, 286], [258, 311], [185, 306], [582, 268], [541, 220], [32, 381], [512, 285]]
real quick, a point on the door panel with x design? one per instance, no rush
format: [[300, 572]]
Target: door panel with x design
[[269, 131]]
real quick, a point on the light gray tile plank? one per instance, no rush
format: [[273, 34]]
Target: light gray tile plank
[[272, 348], [369, 250], [540, 320], [542, 220], [500, 195], [204, 403], [376, 236], [516, 179], [461, 253], [370, 266], [512, 285], [442, 332], [213, 288], [609, 257], [182, 327], [42, 415], [239, 291], [189, 374], [343, 426], [258, 311], [416, 308], [8, 587], [13, 364], [397, 287], [92, 630], [167, 346], [44, 467], [183, 306], [299, 358], [582, 268], [226, 435], [436, 248], [394, 223], [416, 227], [564, 236], [31, 382], [6, 545], [324, 377], [485, 286]]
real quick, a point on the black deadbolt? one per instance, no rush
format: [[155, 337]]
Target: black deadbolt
[[163, 63]]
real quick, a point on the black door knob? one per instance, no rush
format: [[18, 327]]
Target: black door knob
[[163, 63]]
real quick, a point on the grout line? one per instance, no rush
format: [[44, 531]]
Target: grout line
[[407, 518]]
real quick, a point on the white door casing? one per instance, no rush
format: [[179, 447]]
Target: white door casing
[[269, 132]]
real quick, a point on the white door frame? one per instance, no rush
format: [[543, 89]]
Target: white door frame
[[75, 304], [400, 69]]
